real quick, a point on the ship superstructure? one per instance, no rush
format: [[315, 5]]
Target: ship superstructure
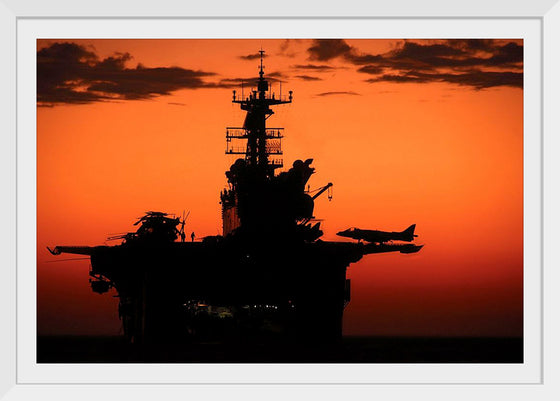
[[258, 202]]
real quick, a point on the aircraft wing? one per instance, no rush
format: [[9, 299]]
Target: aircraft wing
[[382, 248], [77, 250]]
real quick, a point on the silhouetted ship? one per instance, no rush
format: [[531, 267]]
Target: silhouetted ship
[[268, 274]]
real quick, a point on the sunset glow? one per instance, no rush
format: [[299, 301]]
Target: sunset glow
[[425, 131]]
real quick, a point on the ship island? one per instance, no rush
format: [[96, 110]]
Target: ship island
[[269, 275]]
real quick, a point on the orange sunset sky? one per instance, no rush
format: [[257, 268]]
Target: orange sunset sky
[[408, 131]]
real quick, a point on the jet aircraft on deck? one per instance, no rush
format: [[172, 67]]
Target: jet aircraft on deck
[[379, 237]]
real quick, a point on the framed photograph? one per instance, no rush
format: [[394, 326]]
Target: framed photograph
[[171, 172]]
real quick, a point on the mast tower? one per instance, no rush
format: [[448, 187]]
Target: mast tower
[[245, 198], [262, 142]]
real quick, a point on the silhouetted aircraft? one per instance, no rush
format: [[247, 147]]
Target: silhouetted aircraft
[[379, 236], [156, 227]]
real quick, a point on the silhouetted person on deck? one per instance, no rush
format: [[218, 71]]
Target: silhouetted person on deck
[[192, 236]]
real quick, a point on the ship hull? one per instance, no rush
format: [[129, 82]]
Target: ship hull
[[301, 287]]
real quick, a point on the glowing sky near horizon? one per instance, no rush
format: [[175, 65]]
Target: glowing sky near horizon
[[424, 131]]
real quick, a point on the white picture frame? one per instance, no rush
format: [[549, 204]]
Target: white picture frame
[[541, 385]]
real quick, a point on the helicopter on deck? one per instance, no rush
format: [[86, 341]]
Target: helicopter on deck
[[155, 227]]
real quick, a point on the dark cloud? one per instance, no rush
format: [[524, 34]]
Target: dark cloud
[[476, 79], [472, 44], [308, 78], [477, 63], [286, 48], [276, 74], [313, 67], [254, 56], [371, 69], [456, 55], [509, 54], [70, 73], [337, 93], [327, 49], [400, 78], [361, 59], [417, 51]]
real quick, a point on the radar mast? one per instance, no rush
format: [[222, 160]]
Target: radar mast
[[263, 145]]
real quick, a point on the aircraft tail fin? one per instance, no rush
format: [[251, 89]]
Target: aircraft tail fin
[[409, 232]]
